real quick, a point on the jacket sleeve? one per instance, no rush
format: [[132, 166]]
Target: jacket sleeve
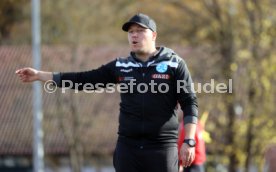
[[185, 93], [97, 77]]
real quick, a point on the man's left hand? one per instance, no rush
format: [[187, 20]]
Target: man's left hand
[[187, 155]]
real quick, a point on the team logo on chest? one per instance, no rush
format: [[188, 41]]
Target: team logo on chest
[[161, 67]]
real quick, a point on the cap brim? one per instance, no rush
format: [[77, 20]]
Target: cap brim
[[128, 24]]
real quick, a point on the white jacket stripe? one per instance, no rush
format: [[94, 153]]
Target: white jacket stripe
[[128, 64]]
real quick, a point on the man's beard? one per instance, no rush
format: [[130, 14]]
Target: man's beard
[[140, 52]]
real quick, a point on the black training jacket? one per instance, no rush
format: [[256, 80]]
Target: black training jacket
[[147, 116]]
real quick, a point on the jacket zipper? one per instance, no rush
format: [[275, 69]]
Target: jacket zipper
[[143, 111]]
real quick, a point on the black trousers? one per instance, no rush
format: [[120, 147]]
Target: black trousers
[[194, 168], [134, 159]]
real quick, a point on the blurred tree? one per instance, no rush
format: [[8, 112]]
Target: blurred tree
[[259, 22], [10, 14], [234, 27], [89, 22], [74, 23]]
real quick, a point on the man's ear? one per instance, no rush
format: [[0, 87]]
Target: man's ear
[[154, 35]]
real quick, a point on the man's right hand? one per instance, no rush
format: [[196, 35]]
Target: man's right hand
[[27, 74], [30, 75]]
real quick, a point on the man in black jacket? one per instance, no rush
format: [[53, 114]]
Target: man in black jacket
[[154, 80]]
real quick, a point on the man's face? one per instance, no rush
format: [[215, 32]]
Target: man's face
[[141, 39]]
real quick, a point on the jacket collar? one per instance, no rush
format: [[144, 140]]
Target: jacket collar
[[163, 54]]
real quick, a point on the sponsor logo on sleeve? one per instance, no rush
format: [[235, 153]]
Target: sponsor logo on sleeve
[[128, 78], [126, 70]]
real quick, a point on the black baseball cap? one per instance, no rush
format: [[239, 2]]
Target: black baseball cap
[[142, 20]]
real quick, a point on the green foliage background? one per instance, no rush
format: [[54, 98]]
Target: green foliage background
[[235, 39]]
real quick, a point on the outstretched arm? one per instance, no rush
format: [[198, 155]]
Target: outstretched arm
[[103, 75], [30, 75]]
